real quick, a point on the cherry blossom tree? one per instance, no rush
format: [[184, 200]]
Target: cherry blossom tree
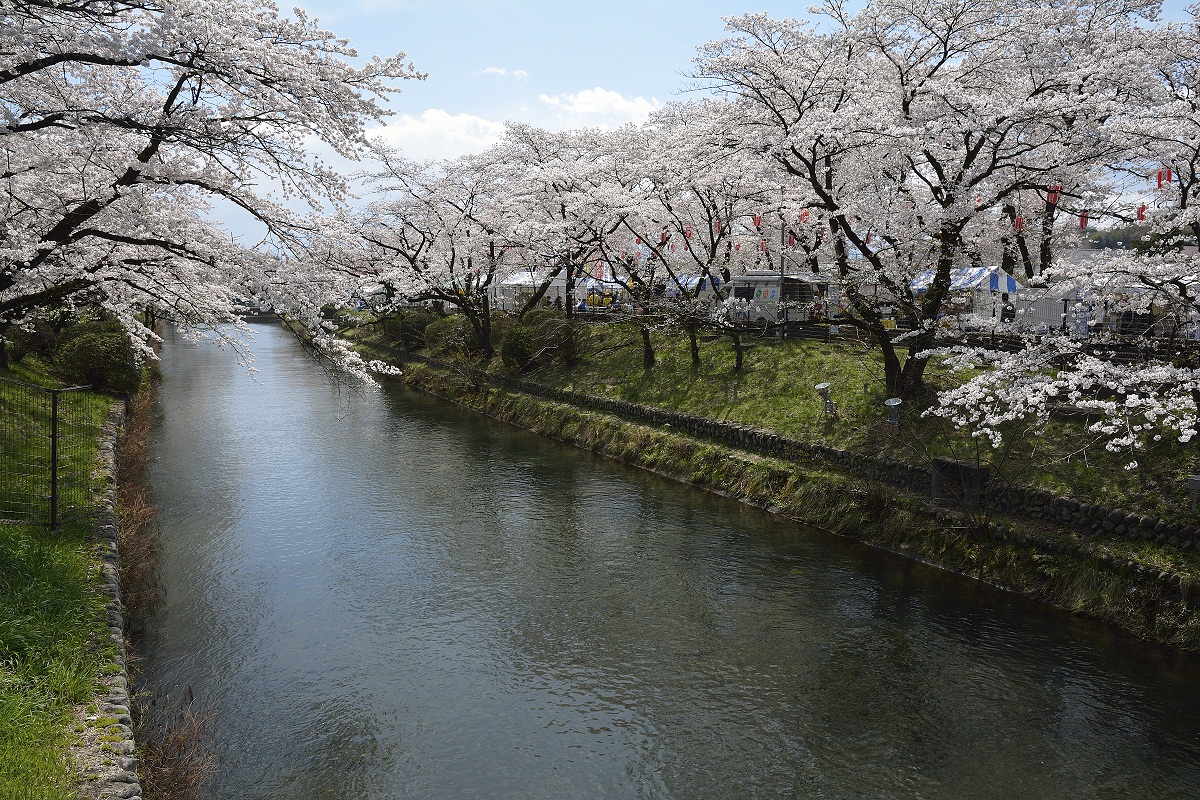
[[907, 126], [436, 234], [1140, 383], [124, 121]]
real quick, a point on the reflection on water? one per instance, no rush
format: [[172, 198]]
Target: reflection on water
[[382, 597]]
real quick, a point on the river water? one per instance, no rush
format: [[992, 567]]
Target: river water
[[379, 596]]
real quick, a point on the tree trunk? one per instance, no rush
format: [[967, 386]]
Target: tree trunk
[[647, 350], [485, 329], [3, 354], [694, 345], [570, 291], [737, 352], [893, 376], [1045, 251]]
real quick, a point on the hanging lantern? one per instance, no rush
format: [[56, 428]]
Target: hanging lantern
[[638, 241], [803, 216], [791, 240], [1142, 212], [718, 227], [662, 239], [758, 220], [1164, 176], [687, 231], [762, 245], [1083, 219], [1018, 223], [868, 237], [1052, 195]]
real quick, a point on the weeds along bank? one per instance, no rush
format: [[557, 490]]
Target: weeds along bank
[[1135, 582]]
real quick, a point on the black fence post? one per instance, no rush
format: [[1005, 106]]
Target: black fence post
[[53, 458]]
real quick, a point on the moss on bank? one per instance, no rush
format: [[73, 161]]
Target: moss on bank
[[1135, 586]]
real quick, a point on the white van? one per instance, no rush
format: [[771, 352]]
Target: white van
[[758, 297]]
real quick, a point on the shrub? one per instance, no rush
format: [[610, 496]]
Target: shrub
[[103, 359], [407, 328], [35, 335], [452, 335], [543, 336], [517, 347]]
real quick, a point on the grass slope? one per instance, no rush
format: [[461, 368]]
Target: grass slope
[[53, 641]]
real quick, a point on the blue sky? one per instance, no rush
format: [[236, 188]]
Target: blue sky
[[557, 65]]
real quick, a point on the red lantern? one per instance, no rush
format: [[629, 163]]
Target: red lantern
[[758, 220], [687, 231], [638, 241], [868, 237], [1052, 195], [1141, 212], [1083, 219], [803, 216], [718, 227], [1018, 224], [762, 245], [1164, 176], [791, 240], [663, 238]]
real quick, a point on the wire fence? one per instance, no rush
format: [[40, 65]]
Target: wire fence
[[45, 448]]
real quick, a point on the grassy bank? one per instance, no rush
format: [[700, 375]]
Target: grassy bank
[[1142, 587], [54, 644], [775, 390]]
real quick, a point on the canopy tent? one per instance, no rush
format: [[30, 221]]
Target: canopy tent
[[691, 285], [971, 279], [525, 277]]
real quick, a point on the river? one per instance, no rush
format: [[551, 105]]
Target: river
[[377, 595]]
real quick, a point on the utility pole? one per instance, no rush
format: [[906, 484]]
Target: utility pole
[[782, 315]]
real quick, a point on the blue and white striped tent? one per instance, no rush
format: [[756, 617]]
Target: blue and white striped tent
[[971, 279], [688, 283]]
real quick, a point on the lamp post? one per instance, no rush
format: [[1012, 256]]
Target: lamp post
[[830, 409], [893, 413]]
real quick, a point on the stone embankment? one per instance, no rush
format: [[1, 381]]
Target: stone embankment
[[105, 752]]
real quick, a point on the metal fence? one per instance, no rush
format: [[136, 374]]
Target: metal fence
[[45, 449]]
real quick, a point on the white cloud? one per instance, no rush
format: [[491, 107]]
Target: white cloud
[[600, 107], [519, 74], [437, 134]]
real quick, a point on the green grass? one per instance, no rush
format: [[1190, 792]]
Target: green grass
[[775, 390], [53, 640]]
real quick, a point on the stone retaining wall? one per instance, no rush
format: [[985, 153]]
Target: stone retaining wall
[[116, 773]]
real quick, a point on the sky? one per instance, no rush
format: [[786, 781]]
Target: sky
[[556, 64]]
